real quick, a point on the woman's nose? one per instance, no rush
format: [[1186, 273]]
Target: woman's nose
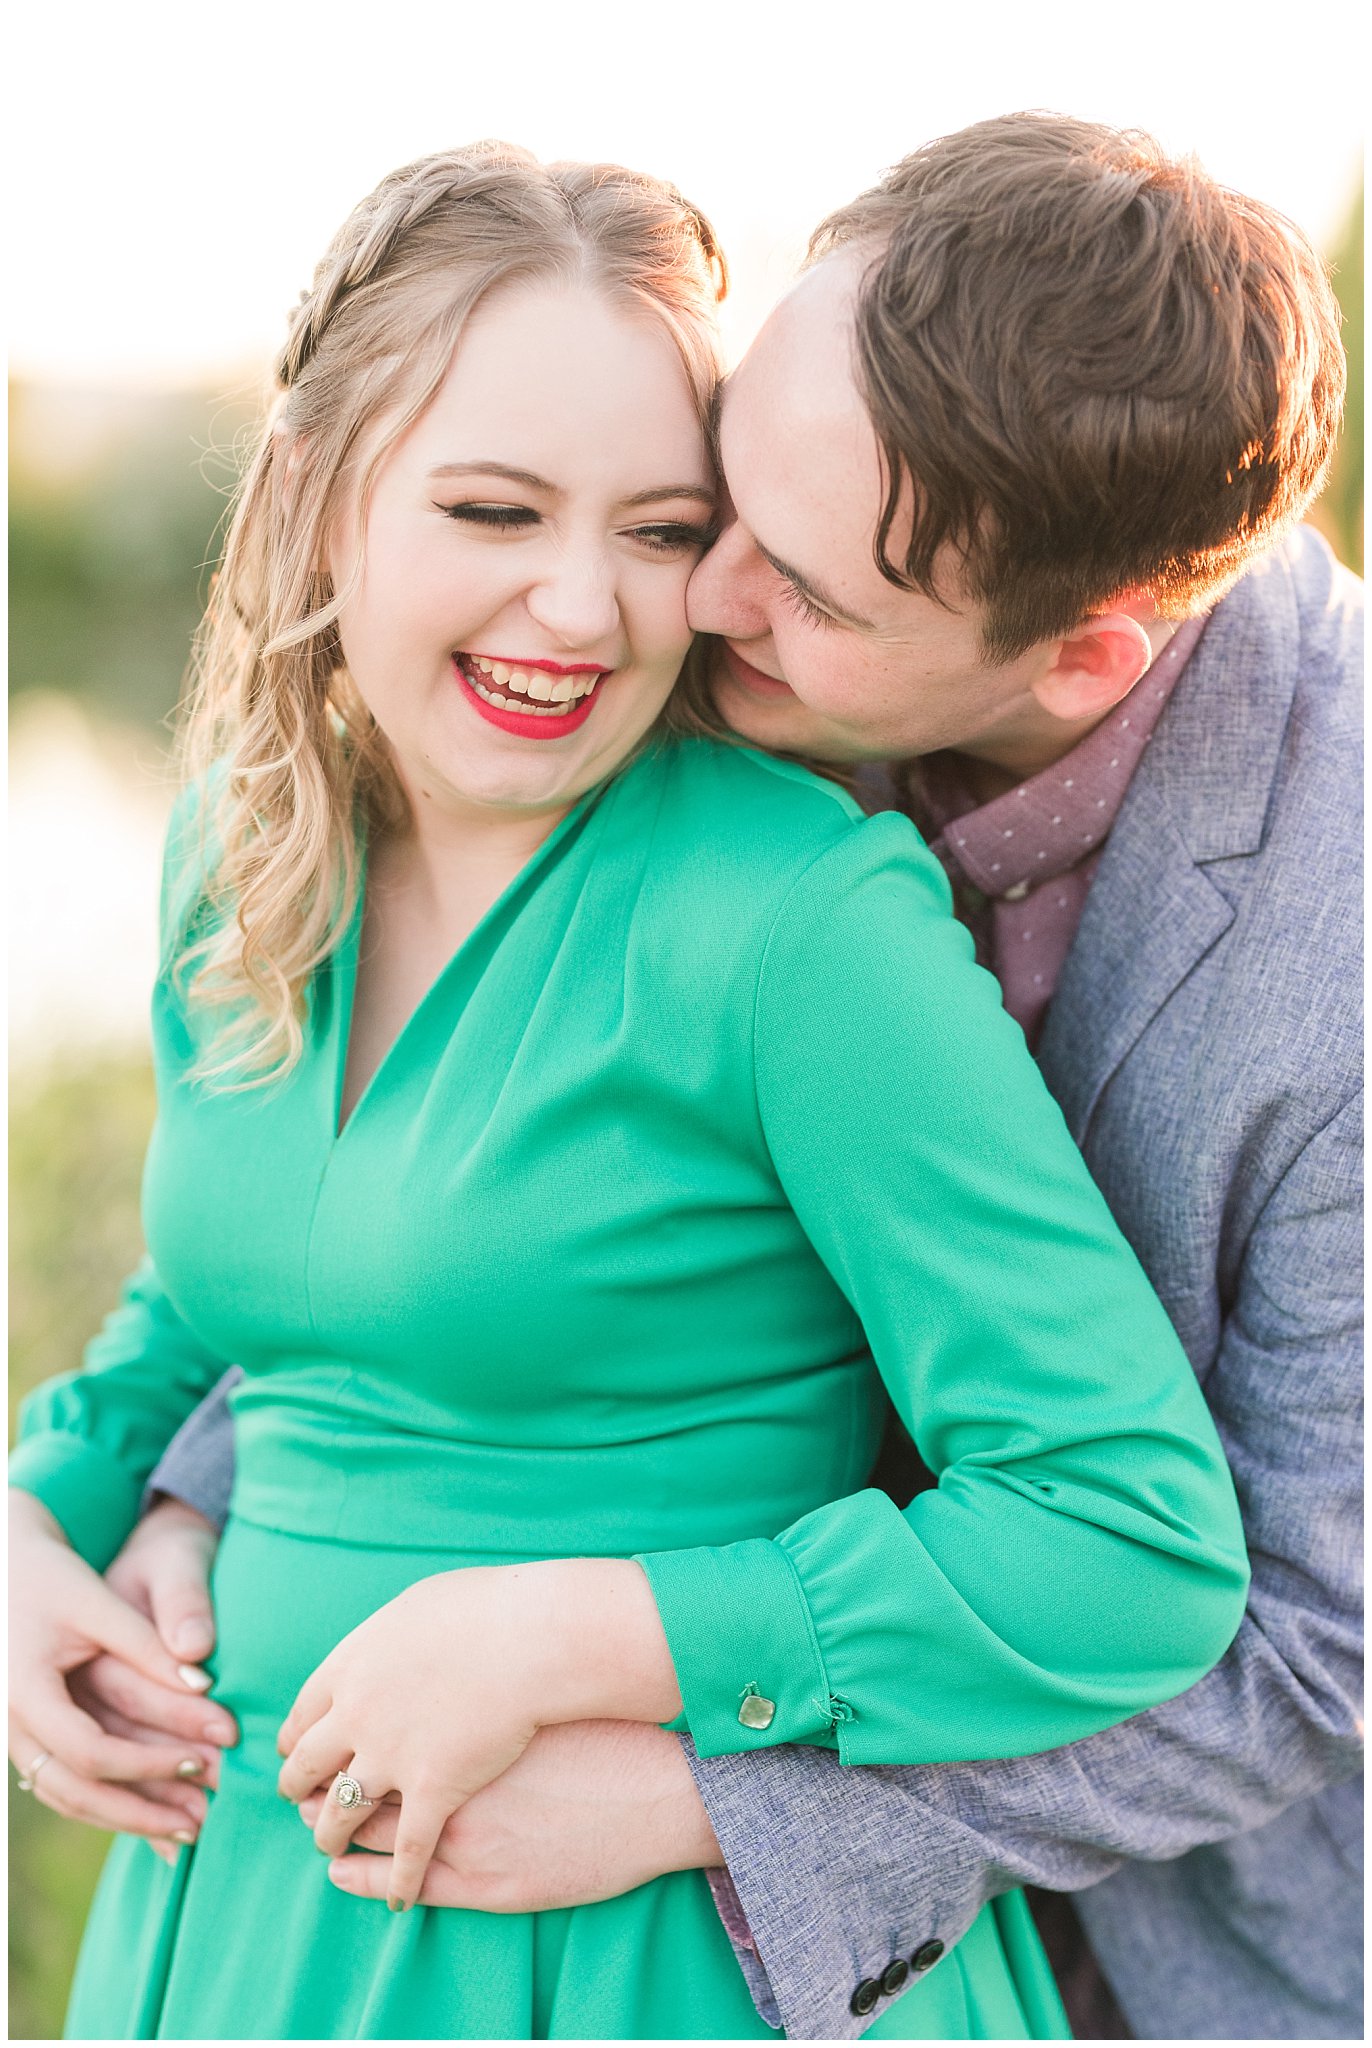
[[577, 600], [723, 595]]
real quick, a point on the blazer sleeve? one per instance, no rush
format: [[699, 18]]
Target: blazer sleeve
[[198, 1464], [837, 1870], [1081, 1556]]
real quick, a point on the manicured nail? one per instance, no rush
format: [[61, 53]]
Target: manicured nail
[[184, 1835], [398, 1905], [189, 1767], [194, 1677]]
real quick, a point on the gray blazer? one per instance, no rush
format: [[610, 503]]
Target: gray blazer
[[1204, 1045]]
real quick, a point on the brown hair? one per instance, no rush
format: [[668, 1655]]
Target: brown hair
[[1092, 369], [274, 731]]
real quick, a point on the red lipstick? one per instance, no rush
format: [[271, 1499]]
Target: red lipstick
[[527, 725]]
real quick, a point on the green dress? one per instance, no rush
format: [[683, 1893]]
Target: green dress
[[710, 1128]]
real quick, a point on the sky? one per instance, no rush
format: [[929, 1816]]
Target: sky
[[180, 168]]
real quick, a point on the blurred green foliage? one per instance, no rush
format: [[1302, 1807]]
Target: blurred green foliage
[[76, 1155], [115, 507]]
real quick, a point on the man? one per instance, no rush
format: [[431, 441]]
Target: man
[[1014, 471]]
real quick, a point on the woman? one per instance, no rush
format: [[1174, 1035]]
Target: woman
[[550, 1127]]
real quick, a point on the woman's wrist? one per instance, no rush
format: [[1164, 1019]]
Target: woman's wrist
[[606, 1644]]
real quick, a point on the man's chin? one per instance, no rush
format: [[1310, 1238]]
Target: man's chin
[[782, 725]]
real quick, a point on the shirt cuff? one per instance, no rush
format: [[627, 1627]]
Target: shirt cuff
[[93, 1497], [743, 1645]]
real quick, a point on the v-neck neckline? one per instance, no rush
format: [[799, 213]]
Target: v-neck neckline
[[345, 960]]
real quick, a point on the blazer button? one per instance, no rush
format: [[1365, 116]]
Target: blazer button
[[865, 1997], [893, 1976], [926, 1955], [757, 1712]]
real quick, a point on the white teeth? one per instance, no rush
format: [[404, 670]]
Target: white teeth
[[520, 704], [563, 688], [499, 672], [537, 683]]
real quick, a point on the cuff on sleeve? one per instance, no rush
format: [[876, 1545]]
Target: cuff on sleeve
[[746, 1656], [93, 1498]]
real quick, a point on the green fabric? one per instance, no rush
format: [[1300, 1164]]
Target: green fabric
[[711, 1112]]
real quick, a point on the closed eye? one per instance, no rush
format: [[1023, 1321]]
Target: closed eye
[[669, 537], [498, 518], [800, 603]]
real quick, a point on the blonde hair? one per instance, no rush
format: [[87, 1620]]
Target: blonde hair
[[274, 736]]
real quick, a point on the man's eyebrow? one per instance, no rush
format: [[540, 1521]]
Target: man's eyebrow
[[816, 592], [702, 492]]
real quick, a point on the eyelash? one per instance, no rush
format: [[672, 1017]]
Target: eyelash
[[800, 603], [667, 537]]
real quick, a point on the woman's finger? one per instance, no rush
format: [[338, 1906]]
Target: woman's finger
[[312, 1702], [310, 1808], [48, 1711], [421, 1822], [116, 1724], [106, 1684], [116, 1809], [316, 1759], [113, 1625], [337, 1823]]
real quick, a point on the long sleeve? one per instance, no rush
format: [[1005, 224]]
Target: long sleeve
[[837, 1869], [1081, 1556], [89, 1440]]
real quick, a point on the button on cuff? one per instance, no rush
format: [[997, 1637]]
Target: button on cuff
[[926, 1955], [864, 1998]]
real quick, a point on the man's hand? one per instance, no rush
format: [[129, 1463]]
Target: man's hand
[[95, 1690], [589, 1810]]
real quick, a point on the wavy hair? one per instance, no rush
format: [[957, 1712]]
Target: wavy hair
[[274, 734]]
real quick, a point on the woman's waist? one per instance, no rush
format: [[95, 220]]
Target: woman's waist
[[356, 1479]]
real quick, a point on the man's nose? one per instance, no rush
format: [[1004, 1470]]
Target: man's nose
[[721, 595], [578, 600]]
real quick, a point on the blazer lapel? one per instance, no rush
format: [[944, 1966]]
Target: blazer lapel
[[1200, 794]]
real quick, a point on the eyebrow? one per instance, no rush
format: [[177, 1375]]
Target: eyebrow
[[527, 477], [816, 592]]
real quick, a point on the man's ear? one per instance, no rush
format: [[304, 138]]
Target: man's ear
[[1094, 667]]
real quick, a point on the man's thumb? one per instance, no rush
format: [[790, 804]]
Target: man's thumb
[[179, 1599]]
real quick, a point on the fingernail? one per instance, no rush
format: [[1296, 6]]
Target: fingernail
[[340, 1874], [397, 1905], [216, 1732], [189, 1767], [184, 1835], [164, 1850], [194, 1677]]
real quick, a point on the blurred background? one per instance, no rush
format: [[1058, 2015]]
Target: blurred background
[[179, 172]]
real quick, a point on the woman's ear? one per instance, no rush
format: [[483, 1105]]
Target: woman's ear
[[1094, 667]]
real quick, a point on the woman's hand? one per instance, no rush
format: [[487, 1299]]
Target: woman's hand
[[441, 1690], [63, 1618], [590, 1810]]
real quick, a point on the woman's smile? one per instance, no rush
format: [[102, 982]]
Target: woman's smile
[[537, 700]]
